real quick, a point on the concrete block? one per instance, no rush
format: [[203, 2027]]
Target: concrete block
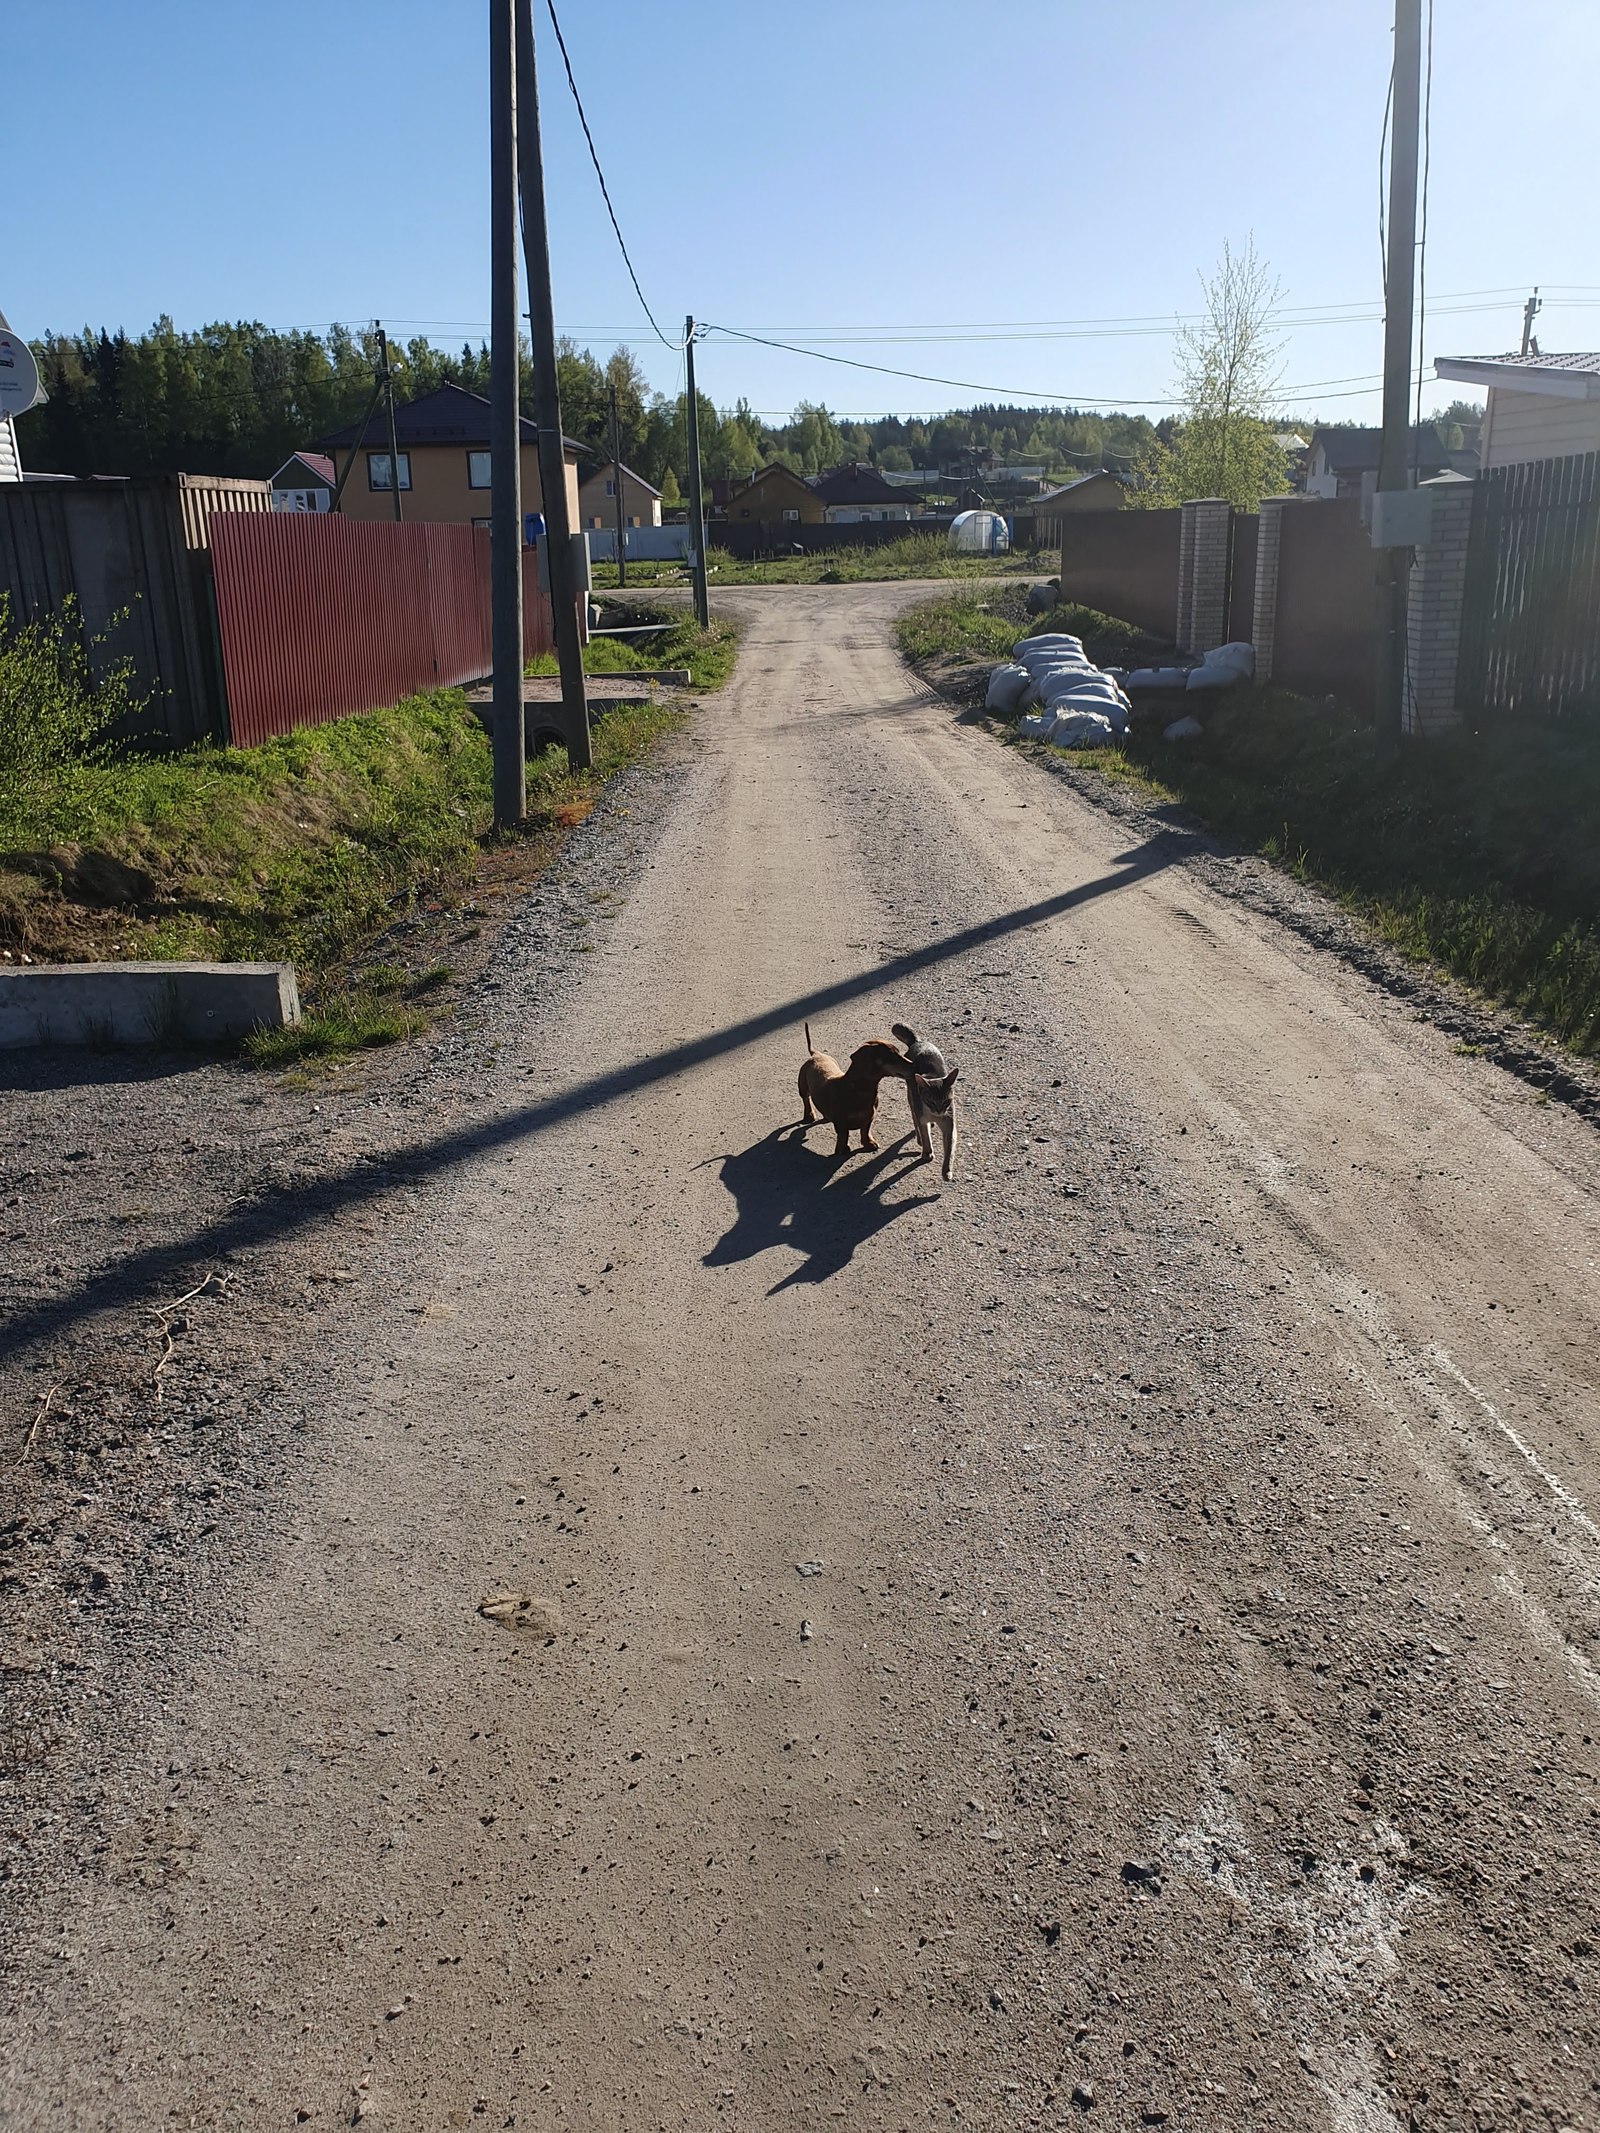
[[110, 1004]]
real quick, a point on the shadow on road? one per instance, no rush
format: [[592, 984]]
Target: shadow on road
[[810, 1201], [280, 1213]]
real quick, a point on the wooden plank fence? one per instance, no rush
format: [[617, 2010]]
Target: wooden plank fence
[[1530, 640]]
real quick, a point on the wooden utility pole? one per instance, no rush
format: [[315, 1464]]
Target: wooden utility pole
[[547, 401], [505, 424], [394, 445], [697, 508], [1394, 456], [1530, 311], [616, 480]]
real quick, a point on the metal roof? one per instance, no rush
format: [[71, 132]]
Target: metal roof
[[1565, 377], [855, 484]]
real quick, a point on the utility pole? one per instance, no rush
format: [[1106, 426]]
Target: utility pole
[[505, 424], [702, 602], [1530, 311], [547, 401], [1394, 564], [394, 446], [616, 478]]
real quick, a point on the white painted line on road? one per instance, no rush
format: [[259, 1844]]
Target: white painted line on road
[[1558, 1488]]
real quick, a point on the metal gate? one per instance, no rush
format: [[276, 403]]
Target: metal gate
[[1530, 636]]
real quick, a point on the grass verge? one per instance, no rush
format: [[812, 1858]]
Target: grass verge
[[918, 555], [301, 850], [708, 654], [1477, 853]]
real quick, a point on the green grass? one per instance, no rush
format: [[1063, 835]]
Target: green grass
[[919, 555], [985, 624], [1477, 853], [708, 654], [296, 851]]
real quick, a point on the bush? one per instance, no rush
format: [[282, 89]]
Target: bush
[[55, 719]]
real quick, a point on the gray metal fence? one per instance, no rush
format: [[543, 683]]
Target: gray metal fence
[[1530, 641]]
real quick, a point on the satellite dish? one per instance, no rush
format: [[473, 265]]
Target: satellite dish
[[19, 374]]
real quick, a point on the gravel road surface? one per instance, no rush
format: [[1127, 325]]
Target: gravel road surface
[[1114, 1640]]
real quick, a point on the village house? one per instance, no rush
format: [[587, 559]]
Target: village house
[[597, 499], [776, 496], [1540, 406], [444, 473], [855, 493]]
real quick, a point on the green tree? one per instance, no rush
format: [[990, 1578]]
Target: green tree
[[671, 494], [1228, 374]]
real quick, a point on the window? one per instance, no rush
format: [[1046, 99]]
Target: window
[[378, 474], [631, 522], [791, 518], [486, 523], [478, 475], [611, 487]]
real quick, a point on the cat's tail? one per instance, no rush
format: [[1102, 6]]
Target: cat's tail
[[908, 1037]]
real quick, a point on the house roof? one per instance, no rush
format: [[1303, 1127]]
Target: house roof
[[1101, 474], [447, 415], [1564, 377], [776, 467], [855, 484], [606, 465], [317, 463], [1354, 451]]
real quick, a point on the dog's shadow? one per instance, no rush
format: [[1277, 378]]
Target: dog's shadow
[[809, 1200]]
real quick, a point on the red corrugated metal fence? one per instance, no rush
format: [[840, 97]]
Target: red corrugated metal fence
[[321, 616]]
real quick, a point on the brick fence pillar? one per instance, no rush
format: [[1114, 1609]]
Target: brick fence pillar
[[1434, 610], [1182, 628], [1264, 618], [1210, 523]]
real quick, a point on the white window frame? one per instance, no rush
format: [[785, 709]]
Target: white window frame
[[480, 462], [385, 486]]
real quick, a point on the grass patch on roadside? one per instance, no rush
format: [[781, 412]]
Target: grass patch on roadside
[[709, 654], [298, 851], [919, 555], [1477, 853]]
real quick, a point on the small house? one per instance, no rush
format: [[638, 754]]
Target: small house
[[305, 482], [1539, 406], [776, 496], [597, 499], [442, 443], [852, 494]]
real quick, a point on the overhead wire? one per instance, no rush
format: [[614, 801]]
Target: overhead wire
[[605, 190]]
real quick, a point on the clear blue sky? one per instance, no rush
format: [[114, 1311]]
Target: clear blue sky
[[873, 168]]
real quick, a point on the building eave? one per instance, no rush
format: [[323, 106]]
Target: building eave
[[1519, 378]]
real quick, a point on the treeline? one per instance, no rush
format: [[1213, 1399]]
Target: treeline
[[239, 398]]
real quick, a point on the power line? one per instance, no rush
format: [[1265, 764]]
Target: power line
[[605, 190], [922, 377]]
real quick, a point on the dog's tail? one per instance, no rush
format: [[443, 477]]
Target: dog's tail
[[810, 1047], [908, 1037]]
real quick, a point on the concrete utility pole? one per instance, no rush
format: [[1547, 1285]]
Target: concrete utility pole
[[1394, 456], [1530, 311], [616, 479], [702, 600], [547, 401], [394, 446], [505, 424]]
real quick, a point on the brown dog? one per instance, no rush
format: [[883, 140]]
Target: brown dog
[[847, 1097]]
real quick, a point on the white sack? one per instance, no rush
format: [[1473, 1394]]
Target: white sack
[[1007, 686], [1183, 729], [1081, 729]]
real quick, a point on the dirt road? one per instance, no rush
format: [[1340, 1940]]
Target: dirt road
[[1112, 1640]]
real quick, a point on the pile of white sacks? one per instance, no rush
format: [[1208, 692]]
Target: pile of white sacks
[[1058, 695]]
